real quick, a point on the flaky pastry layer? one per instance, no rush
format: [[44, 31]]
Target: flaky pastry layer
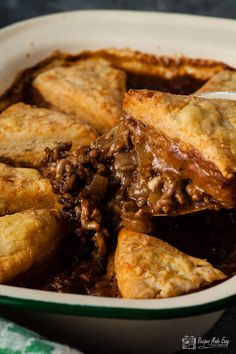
[[25, 131], [147, 268], [23, 189], [27, 238], [224, 80], [91, 90], [202, 126]]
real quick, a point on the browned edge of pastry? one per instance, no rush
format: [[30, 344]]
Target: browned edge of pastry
[[167, 73]]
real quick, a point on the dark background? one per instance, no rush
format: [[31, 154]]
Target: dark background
[[16, 10]]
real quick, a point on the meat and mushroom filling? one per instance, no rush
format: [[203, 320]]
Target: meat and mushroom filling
[[126, 177]]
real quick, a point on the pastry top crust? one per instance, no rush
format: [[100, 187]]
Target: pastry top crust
[[25, 132], [136, 64], [161, 65], [91, 90], [207, 127], [24, 188], [147, 267], [27, 238], [223, 81]]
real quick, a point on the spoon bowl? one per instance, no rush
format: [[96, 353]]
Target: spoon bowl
[[225, 95]]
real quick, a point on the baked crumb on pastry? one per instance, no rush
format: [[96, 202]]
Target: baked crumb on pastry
[[22, 189], [225, 80], [25, 131], [147, 268], [27, 238], [91, 90]]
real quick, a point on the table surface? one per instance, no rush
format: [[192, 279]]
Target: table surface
[[16, 10]]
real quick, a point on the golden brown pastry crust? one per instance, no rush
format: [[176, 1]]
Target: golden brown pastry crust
[[90, 89], [159, 65], [27, 238], [143, 70], [147, 268], [25, 132], [22, 189], [223, 81], [207, 127]]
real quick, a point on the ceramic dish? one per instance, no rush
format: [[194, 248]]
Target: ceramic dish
[[99, 324]]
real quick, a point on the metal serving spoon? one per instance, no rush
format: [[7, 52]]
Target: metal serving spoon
[[226, 95]]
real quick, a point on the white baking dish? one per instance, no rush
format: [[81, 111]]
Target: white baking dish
[[110, 325]]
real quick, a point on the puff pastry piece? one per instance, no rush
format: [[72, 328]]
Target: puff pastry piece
[[27, 238], [159, 66], [22, 189], [91, 90], [225, 80], [25, 132], [147, 268], [198, 136]]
